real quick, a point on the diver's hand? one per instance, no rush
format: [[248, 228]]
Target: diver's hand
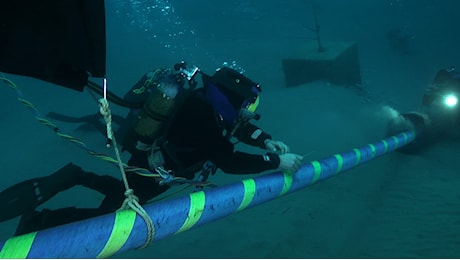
[[276, 146], [290, 162]]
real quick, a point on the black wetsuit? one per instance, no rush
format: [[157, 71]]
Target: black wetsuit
[[193, 137]]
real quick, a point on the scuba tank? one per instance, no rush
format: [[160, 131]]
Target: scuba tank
[[163, 91], [159, 105]]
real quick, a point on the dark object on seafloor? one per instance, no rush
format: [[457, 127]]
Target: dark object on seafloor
[[337, 63], [400, 41]]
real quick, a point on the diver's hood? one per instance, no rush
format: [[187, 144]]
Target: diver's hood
[[228, 91]]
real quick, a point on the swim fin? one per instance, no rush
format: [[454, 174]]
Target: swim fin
[[27, 195], [40, 220]]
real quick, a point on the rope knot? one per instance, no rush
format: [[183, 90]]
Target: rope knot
[[104, 107], [129, 194]]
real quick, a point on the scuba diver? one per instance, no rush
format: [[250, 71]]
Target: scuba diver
[[179, 132], [441, 97], [440, 115]]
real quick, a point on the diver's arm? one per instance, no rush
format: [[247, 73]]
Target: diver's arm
[[246, 163], [221, 151], [252, 135]]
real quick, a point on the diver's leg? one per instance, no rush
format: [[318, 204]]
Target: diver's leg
[[145, 188], [29, 194], [111, 187], [40, 220]]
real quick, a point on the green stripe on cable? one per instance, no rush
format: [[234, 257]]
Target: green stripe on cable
[[287, 182], [358, 155], [124, 223], [18, 247], [249, 192], [317, 167], [339, 159], [197, 201]]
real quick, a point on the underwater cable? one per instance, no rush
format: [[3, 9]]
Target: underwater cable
[[114, 233]]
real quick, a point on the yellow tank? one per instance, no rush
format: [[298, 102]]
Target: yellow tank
[[157, 109]]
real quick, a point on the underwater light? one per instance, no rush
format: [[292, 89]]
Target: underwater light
[[450, 100]]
